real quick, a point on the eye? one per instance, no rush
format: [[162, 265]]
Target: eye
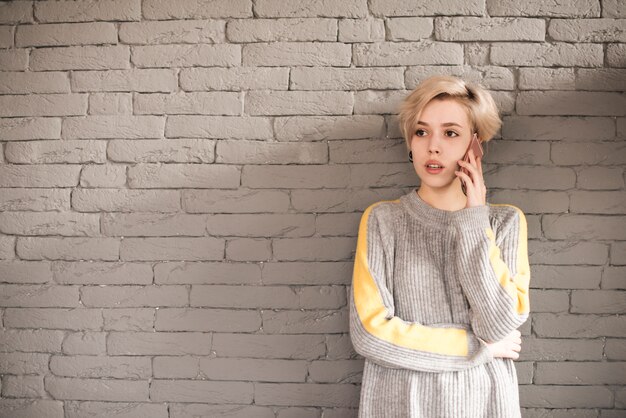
[[455, 134], [418, 132]]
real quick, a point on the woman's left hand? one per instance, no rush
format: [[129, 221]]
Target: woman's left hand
[[474, 186]]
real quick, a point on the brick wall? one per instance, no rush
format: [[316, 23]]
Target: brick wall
[[181, 183]]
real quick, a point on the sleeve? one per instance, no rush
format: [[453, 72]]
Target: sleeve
[[494, 277], [388, 340]]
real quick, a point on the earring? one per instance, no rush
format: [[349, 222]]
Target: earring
[[411, 156]]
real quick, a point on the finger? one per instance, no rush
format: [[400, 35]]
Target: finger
[[464, 177], [471, 168]]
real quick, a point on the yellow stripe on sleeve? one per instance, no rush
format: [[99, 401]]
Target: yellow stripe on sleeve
[[372, 312]]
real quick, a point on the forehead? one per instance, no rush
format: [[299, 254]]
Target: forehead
[[438, 112]]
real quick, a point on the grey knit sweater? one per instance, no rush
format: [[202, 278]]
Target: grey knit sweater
[[429, 287]]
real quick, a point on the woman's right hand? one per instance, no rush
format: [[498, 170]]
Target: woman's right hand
[[508, 347]]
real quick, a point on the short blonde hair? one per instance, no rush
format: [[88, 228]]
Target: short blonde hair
[[481, 108]]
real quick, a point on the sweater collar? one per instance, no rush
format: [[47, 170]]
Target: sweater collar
[[424, 211]]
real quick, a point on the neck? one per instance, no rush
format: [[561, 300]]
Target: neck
[[450, 198]]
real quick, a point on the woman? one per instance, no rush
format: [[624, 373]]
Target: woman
[[441, 277]]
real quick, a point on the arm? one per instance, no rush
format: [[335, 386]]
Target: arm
[[388, 340], [495, 278]]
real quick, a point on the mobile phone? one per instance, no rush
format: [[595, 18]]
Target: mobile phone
[[478, 152]]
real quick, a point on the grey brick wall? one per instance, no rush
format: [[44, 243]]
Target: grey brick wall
[[181, 183]]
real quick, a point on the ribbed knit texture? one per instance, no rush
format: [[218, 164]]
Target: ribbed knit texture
[[419, 269]]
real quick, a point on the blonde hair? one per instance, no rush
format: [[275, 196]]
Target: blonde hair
[[481, 108]]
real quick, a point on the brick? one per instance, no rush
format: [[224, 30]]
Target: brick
[[571, 103], [124, 200], [489, 29], [218, 127], [158, 343], [31, 340], [339, 371], [338, 201], [114, 57], [598, 301], [78, 409], [152, 225], [578, 326], [613, 8], [118, 367], [517, 152], [24, 408], [295, 346], [600, 178], [298, 103], [549, 300], [307, 273], [21, 129], [103, 175], [115, 126], [560, 128], [176, 367], [339, 347], [55, 151], [382, 175], [53, 318], [262, 152], [378, 102], [604, 79], [615, 349], [531, 177], [297, 53], [342, 224], [586, 227], [132, 319], [618, 253], [248, 249], [97, 389], [282, 30], [25, 272], [135, 80], [305, 322], [188, 410], [43, 105], [275, 297], [208, 103], [174, 151], [615, 56], [408, 28], [23, 387], [185, 176], [613, 278], [85, 342], [548, 78], [547, 54], [568, 8], [88, 10], [264, 370], [609, 153], [38, 295], [234, 78], [361, 30], [49, 223], [17, 199], [196, 9], [69, 248], [560, 350], [205, 55], [110, 104], [403, 8], [261, 225], [24, 363], [318, 128], [7, 247], [133, 296], [16, 12], [295, 177], [561, 252], [6, 36], [14, 60], [66, 34], [152, 249], [367, 151], [294, 8], [100, 273], [574, 373], [311, 78], [557, 396], [609, 202], [173, 32], [217, 320], [32, 82], [234, 201], [566, 277], [201, 391], [531, 201], [207, 273], [425, 52], [314, 249], [587, 30], [306, 394]]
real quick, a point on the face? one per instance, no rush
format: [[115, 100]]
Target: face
[[443, 134]]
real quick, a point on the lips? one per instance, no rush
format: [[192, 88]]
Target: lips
[[434, 162]]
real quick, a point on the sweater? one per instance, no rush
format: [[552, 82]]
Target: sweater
[[429, 288]]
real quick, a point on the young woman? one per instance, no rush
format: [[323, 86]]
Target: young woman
[[441, 276]]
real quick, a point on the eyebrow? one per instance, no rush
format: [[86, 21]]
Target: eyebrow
[[419, 122]]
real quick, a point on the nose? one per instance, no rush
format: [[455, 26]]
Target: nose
[[434, 144]]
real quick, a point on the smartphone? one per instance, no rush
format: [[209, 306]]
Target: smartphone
[[478, 152]]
